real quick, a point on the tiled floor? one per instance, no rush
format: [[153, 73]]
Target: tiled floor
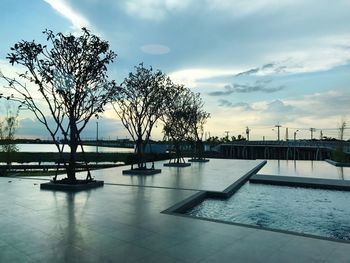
[[215, 175], [120, 223]]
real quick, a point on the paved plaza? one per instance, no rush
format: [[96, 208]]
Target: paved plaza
[[122, 222]]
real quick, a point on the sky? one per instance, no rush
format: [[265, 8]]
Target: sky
[[256, 63]]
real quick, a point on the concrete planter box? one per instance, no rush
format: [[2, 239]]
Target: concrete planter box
[[141, 171], [199, 160], [177, 164], [79, 186]]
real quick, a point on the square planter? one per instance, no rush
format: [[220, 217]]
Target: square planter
[[80, 185], [142, 171]]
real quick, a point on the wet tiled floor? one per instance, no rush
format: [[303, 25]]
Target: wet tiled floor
[[298, 168], [120, 223], [215, 175]]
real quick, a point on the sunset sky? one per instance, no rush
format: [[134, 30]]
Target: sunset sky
[[255, 63]]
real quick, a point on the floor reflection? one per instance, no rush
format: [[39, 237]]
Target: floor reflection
[[315, 169]]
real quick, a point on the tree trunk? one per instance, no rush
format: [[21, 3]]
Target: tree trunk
[[200, 149], [139, 149], [177, 152], [73, 144]]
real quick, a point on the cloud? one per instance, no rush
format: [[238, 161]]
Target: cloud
[[193, 77], [158, 10], [278, 106], [242, 105], [323, 104], [248, 72], [240, 8], [154, 9], [63, 8], [266, 66], [155, 49], [259, 86], [10, 71], [328, 53], [267, 69]]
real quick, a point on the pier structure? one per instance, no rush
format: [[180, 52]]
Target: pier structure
[[283, 150]]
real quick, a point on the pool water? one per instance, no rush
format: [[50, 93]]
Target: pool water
[[304, 210]]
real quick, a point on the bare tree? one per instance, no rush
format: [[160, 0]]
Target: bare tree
[[198, 119], [178, 119], [341, 153], [140, 102], [342, 127], [70, 75]]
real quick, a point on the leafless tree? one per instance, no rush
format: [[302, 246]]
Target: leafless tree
[[139, 103], [342, 127], [70, 76]]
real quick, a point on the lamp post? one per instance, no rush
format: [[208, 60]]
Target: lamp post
[[278, 131], [247, 130], [295, 135], [227, 132], [312, 130]]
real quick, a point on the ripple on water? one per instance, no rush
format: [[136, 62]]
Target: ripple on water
[[304, 210]]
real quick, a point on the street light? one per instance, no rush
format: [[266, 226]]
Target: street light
[[227, 132], [312, 130], [278, 134], [295, 135], [247, 130], [278, 126]]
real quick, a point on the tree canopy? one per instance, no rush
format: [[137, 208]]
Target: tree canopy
[[178, 118], [140, 102], [72, 86]]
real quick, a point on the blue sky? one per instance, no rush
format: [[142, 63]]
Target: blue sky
[[256, 63]]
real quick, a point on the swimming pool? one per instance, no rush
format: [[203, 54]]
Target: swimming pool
[[317, 212]]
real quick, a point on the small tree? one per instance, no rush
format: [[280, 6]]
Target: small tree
[[8, 128], [70, 75], [338, 154], [198, 119], [178, 119], [139, 103], [342, 128]]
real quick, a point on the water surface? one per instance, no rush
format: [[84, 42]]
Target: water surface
[[304, 210], [52, 148]]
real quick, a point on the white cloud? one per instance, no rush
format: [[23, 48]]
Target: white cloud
[[158, 9], [13, 72], [323, 54], [244, 7], [324, 104], [192, 77], [154, 9], [10, 71], [63, 8], [155, 49]]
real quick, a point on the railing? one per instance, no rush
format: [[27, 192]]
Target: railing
[[292, 143]]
